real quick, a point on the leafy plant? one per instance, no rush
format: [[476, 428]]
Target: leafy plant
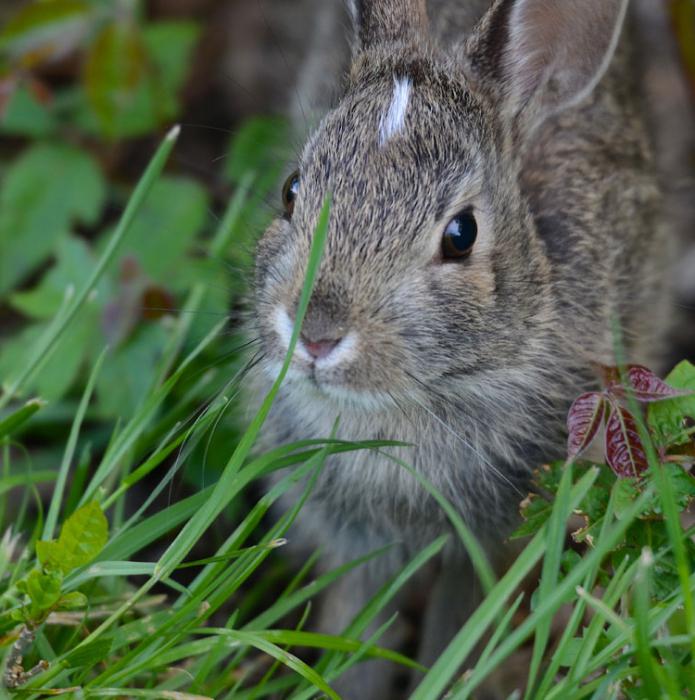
[[646, 486], [82, 538], [624, 450], [131, 72]]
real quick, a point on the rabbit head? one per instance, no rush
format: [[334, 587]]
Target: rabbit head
[[434, 279]]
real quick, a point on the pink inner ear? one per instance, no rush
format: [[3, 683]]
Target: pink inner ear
[[568, 43]]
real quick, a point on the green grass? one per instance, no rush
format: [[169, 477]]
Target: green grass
[[180, 624]]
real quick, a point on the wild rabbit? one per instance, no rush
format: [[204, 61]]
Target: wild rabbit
[[495, 209]]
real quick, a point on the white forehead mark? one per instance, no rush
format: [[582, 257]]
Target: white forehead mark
[[393, 120]]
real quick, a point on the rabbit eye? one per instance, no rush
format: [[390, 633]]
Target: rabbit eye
[[459, 236], [289, 192]]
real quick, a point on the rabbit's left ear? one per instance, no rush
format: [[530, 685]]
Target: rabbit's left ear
[[543, 56], [388, 21]]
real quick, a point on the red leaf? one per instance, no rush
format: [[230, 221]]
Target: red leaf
[[624, 449], [583, 421], [648, 387]]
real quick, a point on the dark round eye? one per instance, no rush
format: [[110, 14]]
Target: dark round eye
[[459, 235], [289, 192]]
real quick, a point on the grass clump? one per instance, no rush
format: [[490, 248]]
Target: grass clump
[[99, 600]]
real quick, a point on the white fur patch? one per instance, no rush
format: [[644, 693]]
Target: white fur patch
[[393, 121], [284, 326], [342, 354]]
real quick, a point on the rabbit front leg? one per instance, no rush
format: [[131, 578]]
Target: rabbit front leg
[[367, 680], [453, 598]]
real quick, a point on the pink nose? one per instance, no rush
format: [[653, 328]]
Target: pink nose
[[319, 349]]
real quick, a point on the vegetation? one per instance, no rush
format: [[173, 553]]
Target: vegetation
[[135, 556]]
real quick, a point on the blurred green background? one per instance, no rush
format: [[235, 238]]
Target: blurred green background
[[87, 90]]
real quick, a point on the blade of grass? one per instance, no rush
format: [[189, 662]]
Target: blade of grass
[[137, 537], [448, 664], [551, 569], [314, 640], [256, 640], [603, 611], [41, 477], [68, 455], [141, 693], [200, 522], [578, 610], [329, 663], [653, 678], [364, 649], [267, 677], [214, 590], [54, 332], [500, 631], [191, 305], [664, 489], [658, 617], [479, 560], [125, 440], [548, 606], [620, 582], [286, 604], [19, 417]]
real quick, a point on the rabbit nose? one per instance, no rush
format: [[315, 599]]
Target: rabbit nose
[[319, 349]]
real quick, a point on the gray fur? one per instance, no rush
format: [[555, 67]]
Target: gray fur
[[472, 362]]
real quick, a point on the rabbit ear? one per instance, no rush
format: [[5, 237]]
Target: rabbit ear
[[387, 21], [545, 55]]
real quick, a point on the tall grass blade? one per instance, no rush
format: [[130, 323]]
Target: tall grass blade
[[54, 332]]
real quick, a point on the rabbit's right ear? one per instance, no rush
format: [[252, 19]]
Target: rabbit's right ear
[[388, 21], [542, 56]]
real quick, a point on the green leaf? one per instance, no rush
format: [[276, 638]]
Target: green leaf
[[41, 30], [43, 590], [261, 146], [116, 65], [73, 263], [37, 355], [129, 371], [90, 654], [682, 486], [166, 226], [170, 46], [133, 76], [60, 370], [83, 536], [16, 419], [48, 189], [626, 492], [72, 601], [667, 417], [535, 511], [25, 115], [49, 555]]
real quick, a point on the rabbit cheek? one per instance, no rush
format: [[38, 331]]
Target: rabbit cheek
[[472, 280]]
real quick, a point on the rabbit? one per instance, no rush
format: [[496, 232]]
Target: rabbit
[[495, 211]]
